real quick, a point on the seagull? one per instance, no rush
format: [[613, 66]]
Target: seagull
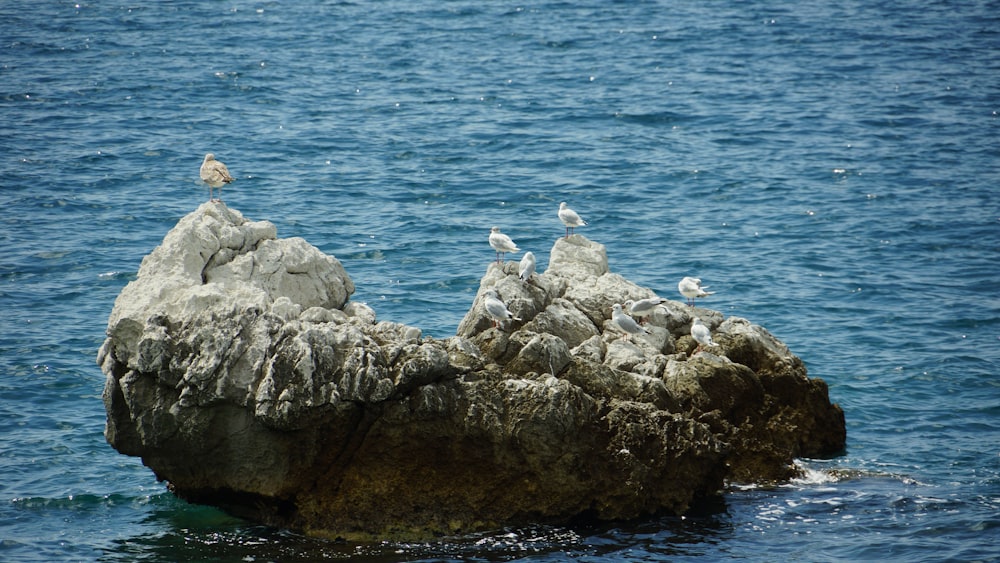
[[643, 307], [691, 288], [501, 243], [215, 174], [496, 309], [701, 334], [569, 218], [527, 267], [626, 323]]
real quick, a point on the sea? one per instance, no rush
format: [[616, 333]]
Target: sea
[[831, 169]]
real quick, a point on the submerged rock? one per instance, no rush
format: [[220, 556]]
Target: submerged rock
[[240, 371]]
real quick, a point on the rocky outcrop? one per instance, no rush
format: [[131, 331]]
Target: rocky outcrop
[[240, 371]]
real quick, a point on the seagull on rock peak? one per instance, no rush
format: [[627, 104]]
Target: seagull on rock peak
[[215, 174], [501, 243], [570, 218]]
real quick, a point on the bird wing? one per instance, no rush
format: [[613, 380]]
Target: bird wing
[[215, 171], [648, 304]]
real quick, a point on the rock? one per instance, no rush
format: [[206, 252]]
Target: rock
[[563, 320], [240, 371]]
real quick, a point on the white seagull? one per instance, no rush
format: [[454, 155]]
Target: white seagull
[[501, 243], [496, 309], [701, 335], [626, 323], [527, 266], [692, 288], [215, 174], [644, 307], [569, 218]]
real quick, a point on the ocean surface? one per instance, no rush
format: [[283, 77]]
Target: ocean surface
[[830, 168]]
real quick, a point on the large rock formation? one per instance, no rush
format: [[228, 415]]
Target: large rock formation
[[242, 374]]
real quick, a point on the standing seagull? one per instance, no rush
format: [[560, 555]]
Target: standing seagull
[[569, 218], [215, 174], [496, 309], [701, 335], [626, 323], [501, 243], [527, 266], [644, 307], [691, 288]]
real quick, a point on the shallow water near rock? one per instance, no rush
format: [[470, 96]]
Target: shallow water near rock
[[830, 170]]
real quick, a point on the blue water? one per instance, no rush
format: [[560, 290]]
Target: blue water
[[831, 169]]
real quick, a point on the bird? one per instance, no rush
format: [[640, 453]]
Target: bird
[[644, 307], [569, 218], [501, 243], [215, 174], [701, 334], [527, 266], [626, 323], [496, 309], [692, 288]]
